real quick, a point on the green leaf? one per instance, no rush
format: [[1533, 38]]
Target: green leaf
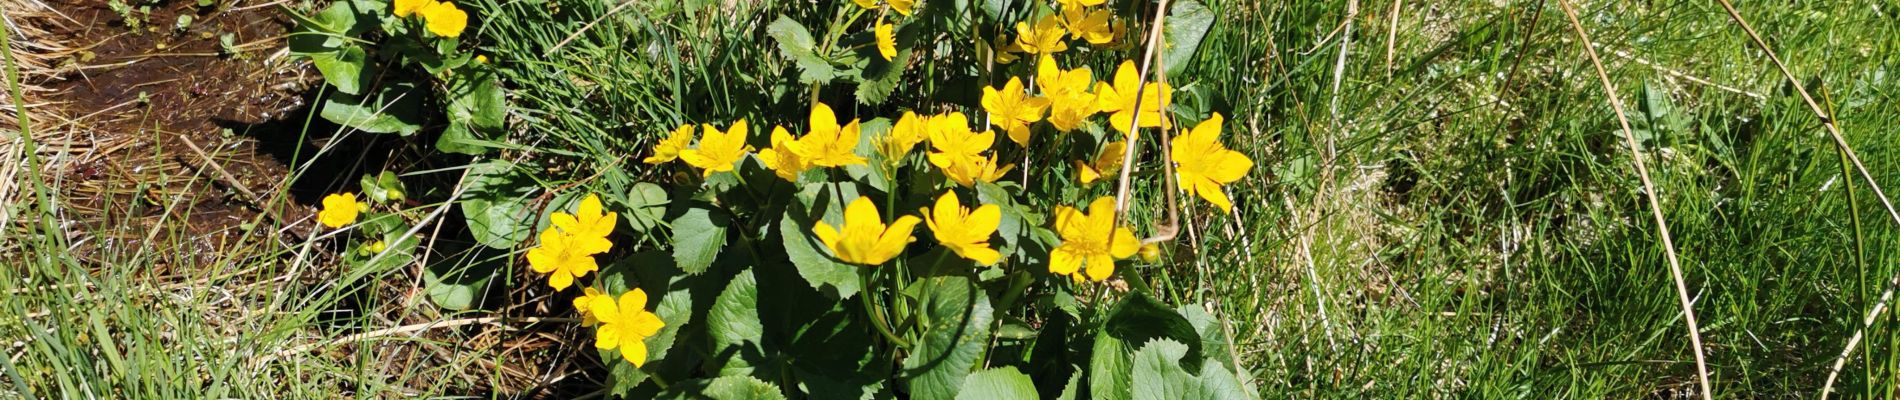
[[646, 206], [879, 77], [347, 69], [734, 327], [957, 319], [820, 202], [725, 388], [477, 109], [698, 235], [458, 280], [1188, 23], [797, 44], [1158, 375], [1214, 342], [1109, 363], [396, 108], [496, 206], [1072, 389], [997, 383], [1139, 318]]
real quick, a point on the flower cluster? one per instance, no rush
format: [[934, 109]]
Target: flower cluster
[[441, 18], [1078, 20], [567, 248]]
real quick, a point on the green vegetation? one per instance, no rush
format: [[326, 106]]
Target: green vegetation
[[1440, 205]]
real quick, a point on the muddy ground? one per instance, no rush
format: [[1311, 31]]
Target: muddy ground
[[164, 127]]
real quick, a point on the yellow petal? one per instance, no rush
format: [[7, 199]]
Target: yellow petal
[[886, 42], [634, 351], [1063, 261], [560, 281], [1100, 267]]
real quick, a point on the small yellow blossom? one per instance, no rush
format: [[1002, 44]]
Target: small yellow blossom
[[1092, 26], [886, 41], [481, 59], [951, 137], [1078, 4], [1108, 162], [1044, 38], [1005, 49], [443, 19], [561, 257], [405, 8], [668, 149], [1090, 241], [909, 130], [625, 325], [964, 231], [780, 158], [905, 7], [864, 239], [718, 150], [827, 144], [1070, 102], [1151, 252], [588, 226], [1205, 166], [1013, 109], [339, 209], [866, 4], [967, 171], [1119, 99], [584, 304]]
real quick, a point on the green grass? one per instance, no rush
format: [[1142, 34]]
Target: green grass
[[1469, 219]]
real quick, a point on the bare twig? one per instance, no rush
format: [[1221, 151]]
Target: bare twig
[[1649, 190]]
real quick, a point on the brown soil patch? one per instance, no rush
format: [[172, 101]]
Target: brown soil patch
[[150, 137]]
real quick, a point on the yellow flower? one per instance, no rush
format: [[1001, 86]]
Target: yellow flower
[[1070, 102], [1108, 162], [717, 151], [1119, 99], [951, 137], [584, 304], [625, 324], [1005, 49], [909, 130], [864, 240], [339, 209], [902, 6], [668, 149], [963, 231], [780, 158], [1205, 165], [443, 19], [969, 170], [1088, 25], [886, 41], [481, 58], [403, 8], [827, 144], [1090, 240], [1013, 109], [588, 227], [561, 256], [1044, 38], [1077, 4], [867, 4]]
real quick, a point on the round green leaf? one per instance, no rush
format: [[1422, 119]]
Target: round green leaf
[[998, 383]]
